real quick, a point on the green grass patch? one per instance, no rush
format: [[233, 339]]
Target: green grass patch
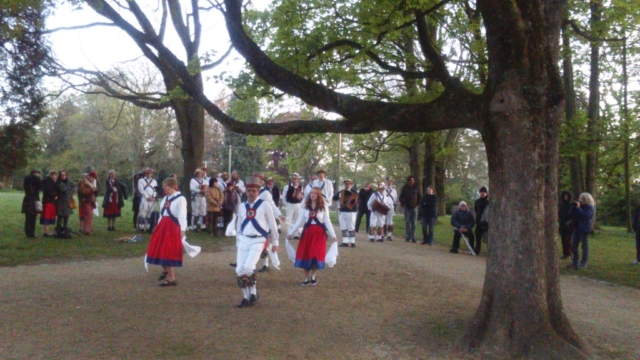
[[611, 250], [17, 249]]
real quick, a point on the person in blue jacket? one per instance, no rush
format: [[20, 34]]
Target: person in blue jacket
[[582, 215]]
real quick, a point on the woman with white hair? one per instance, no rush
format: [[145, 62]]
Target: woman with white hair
[[582, 214], [113, 202]]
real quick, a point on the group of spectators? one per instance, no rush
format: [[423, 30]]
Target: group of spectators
[[58, 202]]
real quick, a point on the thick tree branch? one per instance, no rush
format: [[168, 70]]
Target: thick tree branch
[[440, 71]]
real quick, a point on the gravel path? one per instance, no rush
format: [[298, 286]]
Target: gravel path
[[381, 301]]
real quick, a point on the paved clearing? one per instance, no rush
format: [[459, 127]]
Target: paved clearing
[[382, 301]]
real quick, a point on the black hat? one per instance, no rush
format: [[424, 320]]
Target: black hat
[[484, 190]]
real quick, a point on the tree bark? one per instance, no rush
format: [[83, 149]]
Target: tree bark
[[429, 164], [521, 312]]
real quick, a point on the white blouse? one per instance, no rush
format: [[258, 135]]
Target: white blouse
[[321, 216], [178, 209]]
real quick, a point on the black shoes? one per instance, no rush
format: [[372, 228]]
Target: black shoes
[[453, 251], [244, 303], [306, 282], [168, 283], [265, 268], [253, 299], [233, 264], [353, 245], [413, 241], [343, 245], [162, 276], [314, 282], [380, 240], [371, 240]]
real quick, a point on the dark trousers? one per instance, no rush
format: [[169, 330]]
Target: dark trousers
[[638, 245], [566, 244], [212, 222], [63, 222], [477, 244], [30, 225], [359, 219], [227, 215], [457, 236], [136, 210]]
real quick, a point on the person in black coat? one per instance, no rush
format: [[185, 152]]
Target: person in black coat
[[65, 190], [429, 206], [564, 223], [32, 186], [113, 202], [463, 223], [363, 198], [478, 207], [275, 192], [636, 228]]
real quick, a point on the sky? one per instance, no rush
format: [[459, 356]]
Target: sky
[[104, 47]]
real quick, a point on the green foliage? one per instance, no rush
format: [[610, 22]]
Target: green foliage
[[246, 157]]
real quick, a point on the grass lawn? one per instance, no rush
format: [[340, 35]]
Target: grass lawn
[[611, 248], [16, 249], [611, 251]]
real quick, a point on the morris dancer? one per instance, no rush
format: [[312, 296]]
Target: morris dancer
[[223, 179], [137, 198], [198, 201], [313, 243], [147, 188], [391, 192], [165, 246], [265, 196], [255, 227], [348, 200], [114, 197], [377, 216], [325, 186], [293, 195]]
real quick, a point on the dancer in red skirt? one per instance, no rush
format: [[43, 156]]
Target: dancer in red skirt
[[313, 242], [49, 197], [165, 246], [114, 196]]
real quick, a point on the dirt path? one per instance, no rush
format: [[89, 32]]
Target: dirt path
[[393, 300]]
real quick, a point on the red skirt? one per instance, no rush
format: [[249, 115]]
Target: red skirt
[[165, 246], [48, 215], [312, 248], [112, 210]]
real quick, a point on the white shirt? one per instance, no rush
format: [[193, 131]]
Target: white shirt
[[383, 198], [240, 185], [327, 189], [150, 190], [321, 216], [264, 217], [221, 184], [266, 196], [391, 192], [194, 186], [178, 209]]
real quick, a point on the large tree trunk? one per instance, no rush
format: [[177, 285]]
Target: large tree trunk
[[521, 312], [440, 179], [429, 163], [594, 102], [190, 118]]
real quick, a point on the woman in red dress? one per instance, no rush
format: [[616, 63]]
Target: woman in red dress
[[114, 197], [49, 197], [165, 247], [313, 242]]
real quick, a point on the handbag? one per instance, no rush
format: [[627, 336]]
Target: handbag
[[38, 206], [72, 203]]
